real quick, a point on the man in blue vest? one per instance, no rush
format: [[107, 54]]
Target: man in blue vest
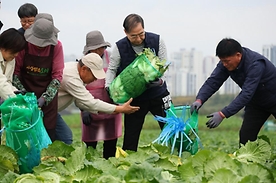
[[156, 98], [255, 75]]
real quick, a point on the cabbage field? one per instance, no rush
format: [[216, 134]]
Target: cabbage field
[[219, 161]]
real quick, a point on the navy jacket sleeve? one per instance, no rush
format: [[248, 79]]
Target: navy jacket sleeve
[[213, 83], [253, 76]]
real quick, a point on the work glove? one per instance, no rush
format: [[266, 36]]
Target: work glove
[[157, 82], [216, 119], [86, 118], [40, 102], [195, 106], [22, 92]]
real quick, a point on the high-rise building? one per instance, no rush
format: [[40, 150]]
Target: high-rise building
[[208, 65], [269, 51], [185, 73], [229, 86]]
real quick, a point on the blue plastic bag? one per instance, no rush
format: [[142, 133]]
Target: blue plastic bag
[[180, 130]]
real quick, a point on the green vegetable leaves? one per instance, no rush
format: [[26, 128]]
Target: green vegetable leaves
[[159, 65], [151, 163], [244, 165], [8, 160], [257, 152]]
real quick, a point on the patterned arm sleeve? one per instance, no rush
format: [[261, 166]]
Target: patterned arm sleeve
[[17, 83], [51, 91]]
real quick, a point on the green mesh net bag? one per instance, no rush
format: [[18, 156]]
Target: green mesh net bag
[[25, 132], [132, 81]]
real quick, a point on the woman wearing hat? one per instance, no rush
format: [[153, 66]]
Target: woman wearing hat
[[63, 131], [96, 127], [39, 69]]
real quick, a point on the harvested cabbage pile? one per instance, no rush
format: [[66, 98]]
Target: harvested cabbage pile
[[132, 81]]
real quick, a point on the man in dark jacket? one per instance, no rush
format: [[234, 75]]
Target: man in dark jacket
[[156, 98], [255, 75]]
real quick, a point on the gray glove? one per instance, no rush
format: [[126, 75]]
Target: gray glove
[[40, 102], [157, 82], [195, 106], [86, 118], [216, 119]]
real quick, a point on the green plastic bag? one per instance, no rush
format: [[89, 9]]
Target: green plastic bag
[[190, 139], [25, 131], [132, 81], [180, 130]]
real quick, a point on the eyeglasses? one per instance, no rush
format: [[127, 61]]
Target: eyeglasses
[[27, 21], [134, 36]]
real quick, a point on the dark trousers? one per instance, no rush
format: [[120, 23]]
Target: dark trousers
[[254, 119], [133, 123], [63, 131], [109, 147]]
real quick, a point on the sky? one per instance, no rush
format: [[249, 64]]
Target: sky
[[182, 24]]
